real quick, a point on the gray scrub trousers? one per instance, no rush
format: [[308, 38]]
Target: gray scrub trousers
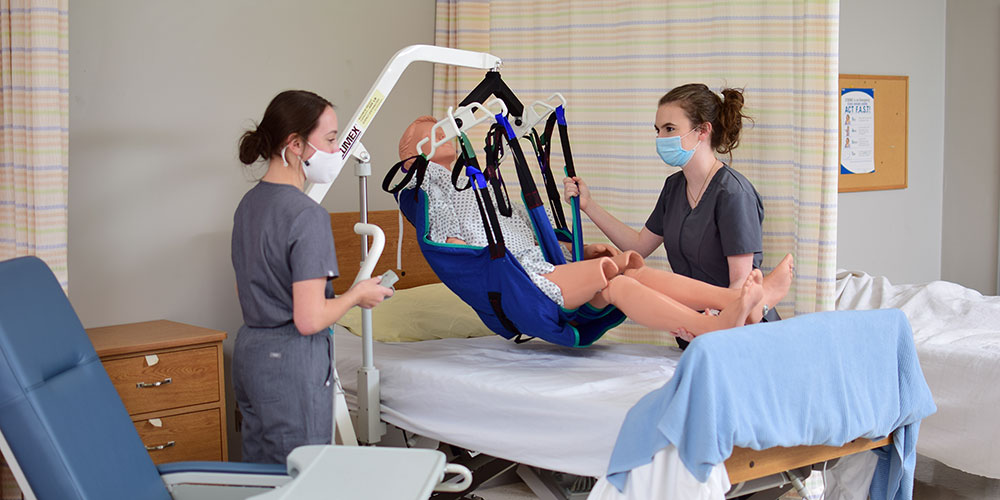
[[727, 221], [281, 378]]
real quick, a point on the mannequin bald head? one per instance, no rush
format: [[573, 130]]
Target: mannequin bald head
[[420, 129]]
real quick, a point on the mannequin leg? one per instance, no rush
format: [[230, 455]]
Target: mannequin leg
[[581, 281], [699, 295], [692, 293], [661, 312]]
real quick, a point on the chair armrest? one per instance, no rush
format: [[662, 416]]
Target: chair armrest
[[223, 468], [199, 480]]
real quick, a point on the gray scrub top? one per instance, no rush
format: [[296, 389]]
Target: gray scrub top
[[727, 221], [280, 236]]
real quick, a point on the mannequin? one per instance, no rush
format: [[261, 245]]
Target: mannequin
[[657, 299]]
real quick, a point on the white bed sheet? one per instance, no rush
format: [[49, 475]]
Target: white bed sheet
[[535, 403], [957, 334]]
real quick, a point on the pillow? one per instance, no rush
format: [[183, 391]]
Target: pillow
[[421, 313]]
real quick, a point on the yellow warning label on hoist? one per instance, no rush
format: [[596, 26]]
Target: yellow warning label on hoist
[[371, 107]]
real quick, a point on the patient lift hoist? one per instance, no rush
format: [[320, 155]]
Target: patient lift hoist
[[370, 428]]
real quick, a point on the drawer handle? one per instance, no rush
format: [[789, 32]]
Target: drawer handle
[[143, 385], [161, 446]]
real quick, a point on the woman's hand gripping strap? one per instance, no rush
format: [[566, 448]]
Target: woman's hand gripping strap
[[560, 115]]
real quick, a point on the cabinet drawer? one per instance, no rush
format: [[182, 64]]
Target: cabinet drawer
[[188, 436], [193, 379]]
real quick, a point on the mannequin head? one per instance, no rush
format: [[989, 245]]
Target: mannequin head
[[419, 130]]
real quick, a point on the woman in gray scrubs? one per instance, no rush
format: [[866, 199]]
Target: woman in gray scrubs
[[708, 215], [284, 259]]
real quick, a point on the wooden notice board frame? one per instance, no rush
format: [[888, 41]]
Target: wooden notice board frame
[[891, 132]]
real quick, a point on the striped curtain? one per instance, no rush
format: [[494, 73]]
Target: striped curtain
[[34, 140], [613, 60], [34, 130]]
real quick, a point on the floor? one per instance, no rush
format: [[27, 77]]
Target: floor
[[515, 491], [934, 481], [520, 491]]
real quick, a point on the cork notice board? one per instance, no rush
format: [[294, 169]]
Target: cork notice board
[[891, 98]]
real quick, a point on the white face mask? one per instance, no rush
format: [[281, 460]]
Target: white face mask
[[321, 167]]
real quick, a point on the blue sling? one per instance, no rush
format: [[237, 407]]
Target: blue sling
[[488, 278]]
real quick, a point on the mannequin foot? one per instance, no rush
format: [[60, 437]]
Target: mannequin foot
[[776, 284], [628, 260], [735, 314]]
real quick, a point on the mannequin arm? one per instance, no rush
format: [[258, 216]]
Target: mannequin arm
[[594, 250]]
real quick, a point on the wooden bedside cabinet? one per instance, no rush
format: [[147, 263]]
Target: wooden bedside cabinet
[[169, 375]]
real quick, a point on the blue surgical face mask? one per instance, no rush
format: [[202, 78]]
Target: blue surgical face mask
[[671, 151]]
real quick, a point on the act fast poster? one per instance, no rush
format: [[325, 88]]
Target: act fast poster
[[857, 131]]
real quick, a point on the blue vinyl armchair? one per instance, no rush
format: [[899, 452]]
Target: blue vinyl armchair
[[67, 435]]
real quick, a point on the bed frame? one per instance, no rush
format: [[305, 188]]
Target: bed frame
[[742, 466]]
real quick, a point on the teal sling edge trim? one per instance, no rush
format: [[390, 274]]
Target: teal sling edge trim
[[577, 227], [576, 337], [591, 311], [613, 325]]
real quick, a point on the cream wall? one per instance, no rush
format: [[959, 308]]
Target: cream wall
[[897, 233], [160, 92], [972, 144]]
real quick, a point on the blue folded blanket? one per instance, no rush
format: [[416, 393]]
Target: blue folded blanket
[[823, 378]]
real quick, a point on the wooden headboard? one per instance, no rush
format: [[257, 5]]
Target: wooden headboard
[[415, 272]]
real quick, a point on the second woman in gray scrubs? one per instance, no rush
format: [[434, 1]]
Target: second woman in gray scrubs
[[708, 215], [284, 258]]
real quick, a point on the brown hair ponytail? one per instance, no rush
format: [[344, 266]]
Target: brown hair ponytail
[[253, 146], [730, 121]]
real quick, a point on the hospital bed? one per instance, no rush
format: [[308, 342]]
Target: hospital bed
[[957, 335], [534, 404]]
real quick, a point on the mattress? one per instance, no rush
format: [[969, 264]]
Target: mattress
[[535, 403], [957, 334]]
